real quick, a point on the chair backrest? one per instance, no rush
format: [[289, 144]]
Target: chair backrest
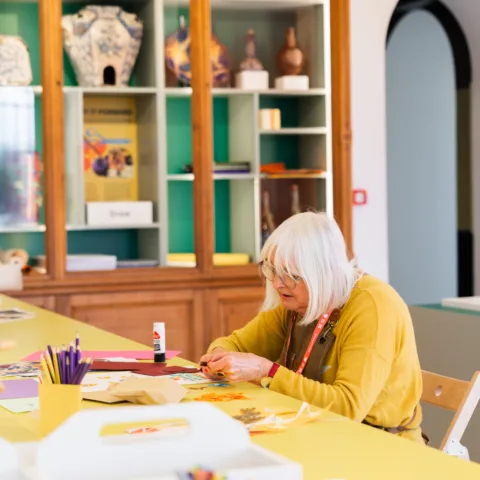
[[457, 395]]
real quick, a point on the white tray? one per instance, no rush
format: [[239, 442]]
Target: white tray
[[77, 451]]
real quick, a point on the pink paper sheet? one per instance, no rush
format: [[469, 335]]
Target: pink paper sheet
[[137, 354]]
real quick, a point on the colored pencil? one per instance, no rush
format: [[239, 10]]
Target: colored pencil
[[71, 357], [55, 367], [49, 362], [77, 348], [63, 365], [46, 373], [60, 365], [82, 369]]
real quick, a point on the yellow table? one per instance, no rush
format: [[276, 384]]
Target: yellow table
[[335, 448]]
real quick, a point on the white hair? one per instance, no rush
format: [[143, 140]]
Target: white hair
[[310, 245]]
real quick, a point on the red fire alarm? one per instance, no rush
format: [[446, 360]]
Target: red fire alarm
[[359, 197]]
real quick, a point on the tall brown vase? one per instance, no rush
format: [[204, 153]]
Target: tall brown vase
[[290, 58]]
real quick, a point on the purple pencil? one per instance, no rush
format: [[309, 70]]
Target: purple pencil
[[81, 371], [64, 366], [60, 361], [50, 352], [72, 361], [77, 348]]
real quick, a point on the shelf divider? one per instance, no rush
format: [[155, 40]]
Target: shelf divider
[[51, 54], [202, 133]]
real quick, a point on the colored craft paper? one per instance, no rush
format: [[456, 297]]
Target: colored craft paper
[[221, 397], [150, 369], [20, 405], [24, 369], [101, 381], [19, 389], [135, 354]]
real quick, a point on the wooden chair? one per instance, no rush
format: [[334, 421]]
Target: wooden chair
[[457, 395]]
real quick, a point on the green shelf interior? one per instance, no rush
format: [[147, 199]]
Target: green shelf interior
[[180, 193]]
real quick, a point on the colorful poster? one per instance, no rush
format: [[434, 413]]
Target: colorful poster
[[110, 149]]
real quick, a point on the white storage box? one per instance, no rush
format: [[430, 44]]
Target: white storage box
[[119, 213], [212, 439], [9, 461], [292, 82], [252, 80], [11, 278]]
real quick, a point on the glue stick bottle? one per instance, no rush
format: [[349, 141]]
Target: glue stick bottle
[[159, 342]]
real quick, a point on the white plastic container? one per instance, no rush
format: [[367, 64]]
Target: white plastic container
[[213, 439]]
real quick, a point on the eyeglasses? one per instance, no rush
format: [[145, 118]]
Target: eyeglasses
[[268, 272]]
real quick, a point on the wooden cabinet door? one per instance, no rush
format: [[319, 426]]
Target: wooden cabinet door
[[132, 315], [43, 301], [231, 308]]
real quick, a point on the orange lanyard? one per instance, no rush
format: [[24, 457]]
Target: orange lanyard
[[322, 321]]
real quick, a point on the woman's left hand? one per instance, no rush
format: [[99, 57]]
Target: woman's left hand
[[240, 367]]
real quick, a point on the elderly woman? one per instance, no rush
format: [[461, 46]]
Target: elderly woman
[[327, 333]]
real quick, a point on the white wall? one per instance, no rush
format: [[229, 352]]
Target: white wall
[[421, 160], [369, 21]]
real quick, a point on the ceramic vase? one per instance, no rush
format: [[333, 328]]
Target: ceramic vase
[[290, 58], [15, 67], [102, 43]]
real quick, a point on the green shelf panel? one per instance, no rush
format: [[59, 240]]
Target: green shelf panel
[[279, 148], [123, 243], [179, 132], [180, 217], [171, 18], [32, 242]]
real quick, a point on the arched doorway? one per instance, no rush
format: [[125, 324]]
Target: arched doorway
[[428, 162]]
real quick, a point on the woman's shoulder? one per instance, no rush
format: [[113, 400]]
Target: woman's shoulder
[[370, 285], [371, 293]]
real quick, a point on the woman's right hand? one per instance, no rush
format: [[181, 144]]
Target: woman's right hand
[[213, 356]]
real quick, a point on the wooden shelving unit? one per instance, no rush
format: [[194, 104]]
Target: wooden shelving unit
[[202, 212]]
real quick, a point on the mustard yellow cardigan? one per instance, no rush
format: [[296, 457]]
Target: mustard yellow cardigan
[[372, 371]]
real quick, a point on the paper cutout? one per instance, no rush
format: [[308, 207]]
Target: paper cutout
[[256, 422], [249, 415], [191, 378], [164, 427], [210, 385], [218, 397], [99, 382], [14, 314], [101, 354], [22, 369], [26, 388], [20, 405], [141, 391]]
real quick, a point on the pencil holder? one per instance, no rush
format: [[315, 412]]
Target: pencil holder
[[57, 403]]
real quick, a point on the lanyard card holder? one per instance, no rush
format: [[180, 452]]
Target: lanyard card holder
[[155, 442]]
